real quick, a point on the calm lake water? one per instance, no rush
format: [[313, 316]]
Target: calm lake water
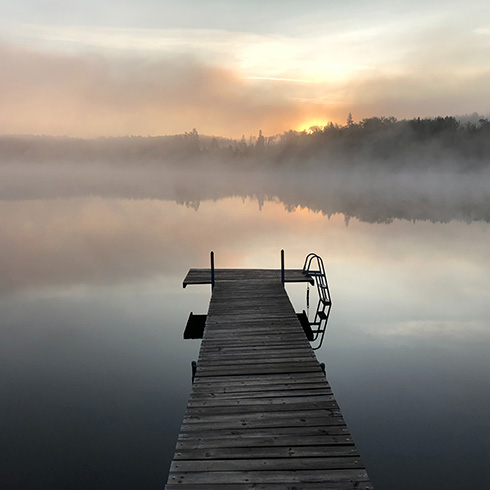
[[95, 374]]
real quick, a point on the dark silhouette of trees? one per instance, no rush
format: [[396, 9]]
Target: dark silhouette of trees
[[260, 143], [376, 142], [191, 141]]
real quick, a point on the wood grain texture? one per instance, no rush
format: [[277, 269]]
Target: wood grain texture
[[261, 414], [203, 276]]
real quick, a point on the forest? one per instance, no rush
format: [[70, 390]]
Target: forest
[[383, 143]]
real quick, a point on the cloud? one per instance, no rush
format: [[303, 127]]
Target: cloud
[[130, 80], [95, 94]]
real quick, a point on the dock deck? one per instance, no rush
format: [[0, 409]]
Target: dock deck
[[261, 414], [203, 276]]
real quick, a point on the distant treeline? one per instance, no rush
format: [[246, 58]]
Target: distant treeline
[[378, 142]]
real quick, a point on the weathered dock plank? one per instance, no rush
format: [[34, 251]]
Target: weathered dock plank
[[261, 413], [269, 486], [293, 475], [275, 440], [203, 276], [266, 452]]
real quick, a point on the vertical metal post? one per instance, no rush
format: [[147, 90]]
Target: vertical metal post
[[212, 270], [282, 266], [194, 369]]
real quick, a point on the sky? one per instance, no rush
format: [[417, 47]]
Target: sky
[[229, 68]]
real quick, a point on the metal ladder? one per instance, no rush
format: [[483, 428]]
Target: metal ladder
[[314, 267]]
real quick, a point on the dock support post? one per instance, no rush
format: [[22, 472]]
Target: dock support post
[[282, 266], [194, 369], [212, 270], [322, 365]]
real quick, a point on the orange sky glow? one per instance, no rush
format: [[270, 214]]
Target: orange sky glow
[[129, 74]]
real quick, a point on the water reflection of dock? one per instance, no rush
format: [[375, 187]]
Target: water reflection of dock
[[261, 413]]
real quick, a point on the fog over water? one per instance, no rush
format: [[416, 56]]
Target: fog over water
[[368, 195], [95, 374]]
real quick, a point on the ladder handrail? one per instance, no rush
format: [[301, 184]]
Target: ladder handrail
[[319, 275], [324, 298]]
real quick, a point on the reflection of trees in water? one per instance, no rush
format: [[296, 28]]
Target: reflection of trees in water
[[370, 196]]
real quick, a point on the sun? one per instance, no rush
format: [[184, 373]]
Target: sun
[[312, 124]]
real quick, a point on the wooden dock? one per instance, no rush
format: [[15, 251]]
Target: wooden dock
[[261, 414]]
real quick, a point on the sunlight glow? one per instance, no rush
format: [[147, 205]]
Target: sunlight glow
[[90, 77], [311, 124], [277, 79]]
